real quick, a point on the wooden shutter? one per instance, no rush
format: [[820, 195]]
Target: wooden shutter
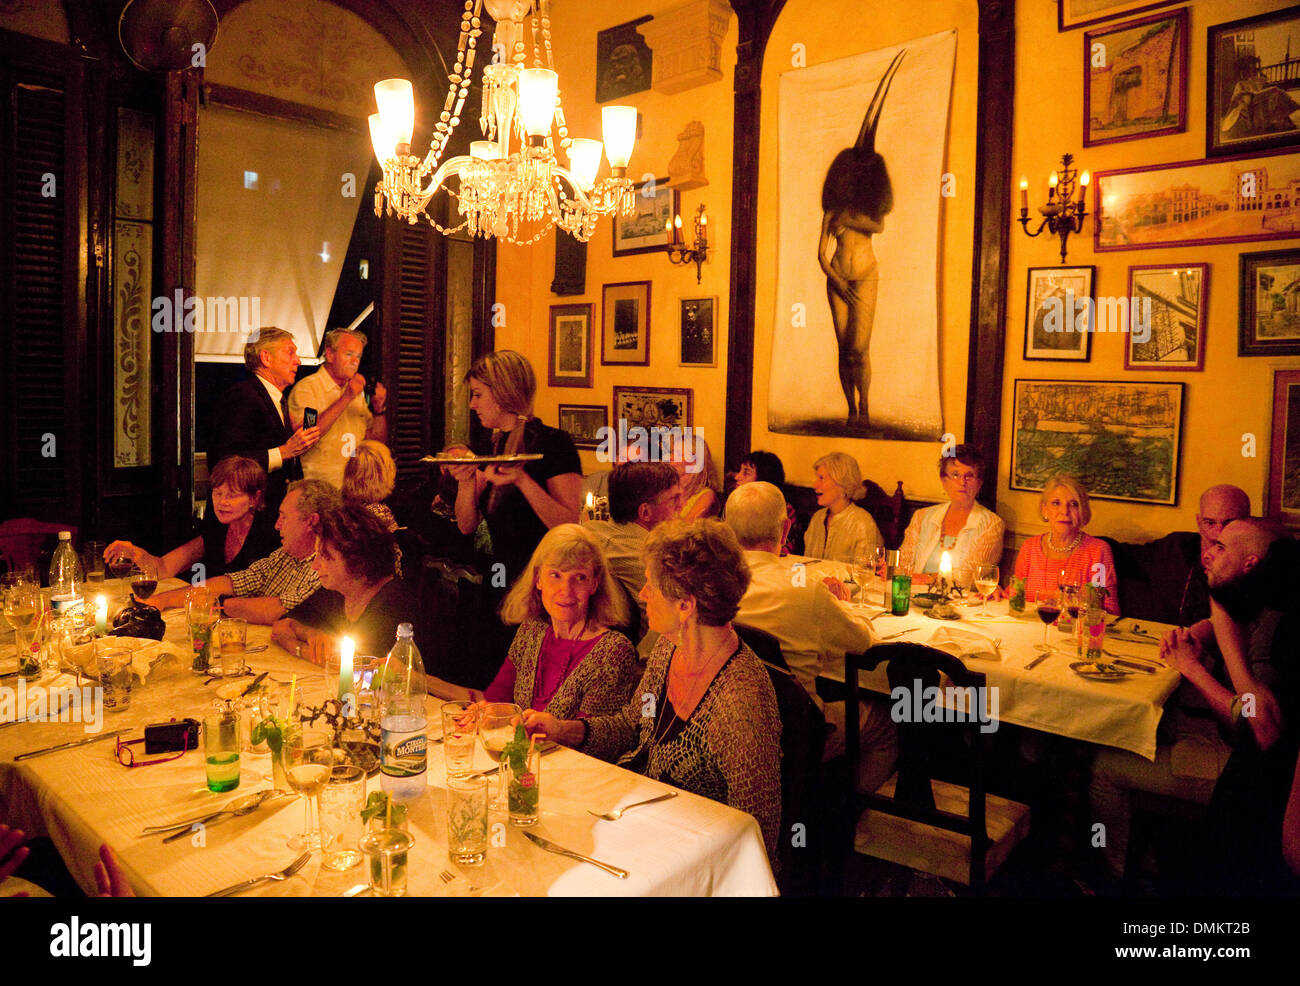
[[412, 333]]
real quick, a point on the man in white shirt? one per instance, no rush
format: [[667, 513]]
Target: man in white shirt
[[813, 629], [343, 419]]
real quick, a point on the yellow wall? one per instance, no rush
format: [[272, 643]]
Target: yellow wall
[[524, 273], [1231, 397]]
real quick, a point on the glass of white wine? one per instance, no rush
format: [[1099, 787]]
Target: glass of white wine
[[864, 567], [986, 582], [22, 603], [496, 728], [308, 757]]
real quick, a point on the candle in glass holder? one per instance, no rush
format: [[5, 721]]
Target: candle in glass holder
[[101, 615], [346, 650], [945, 573]]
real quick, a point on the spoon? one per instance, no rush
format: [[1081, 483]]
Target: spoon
[[236, 809], [617, 813]]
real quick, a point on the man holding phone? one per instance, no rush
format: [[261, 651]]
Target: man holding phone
[[334, 394]]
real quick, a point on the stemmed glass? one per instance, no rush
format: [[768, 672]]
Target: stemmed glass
[[18, 608], [144, 579], [864, 566], [496, 728], [986, 582], [308, 757], [119, 564], [1049, 608]]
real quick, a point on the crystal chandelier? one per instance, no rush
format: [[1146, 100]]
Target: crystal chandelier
[[510, 183]]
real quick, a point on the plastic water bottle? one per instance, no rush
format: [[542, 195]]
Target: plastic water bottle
[[404, 750], [66, 578]]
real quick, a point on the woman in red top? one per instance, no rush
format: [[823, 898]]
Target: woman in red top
[[1065, 555]]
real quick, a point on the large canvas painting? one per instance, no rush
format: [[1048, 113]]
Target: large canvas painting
[[859, 244], [1252, 98], [1120, 439], [1196, 202]]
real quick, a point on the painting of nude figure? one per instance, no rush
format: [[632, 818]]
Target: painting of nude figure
[[856, 333]]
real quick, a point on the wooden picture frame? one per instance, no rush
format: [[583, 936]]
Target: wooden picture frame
[[1283, 496], [1173, 337], [584, 422], [1268, 309], [1193, 203], [1120, 438], [654, 407], [569, 352], [697, 331], [1055, 328], [646, 231], [1074, 14], [625, 324], [1260, 118], [623, 61], [1135, 79]]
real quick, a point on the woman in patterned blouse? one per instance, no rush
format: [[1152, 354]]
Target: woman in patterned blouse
[[564, 658], [704, 717]]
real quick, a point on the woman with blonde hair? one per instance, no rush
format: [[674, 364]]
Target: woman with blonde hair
[[565, 657], [841, 529], [1065, 555], [521, 503], [368, 480], [697, 477]]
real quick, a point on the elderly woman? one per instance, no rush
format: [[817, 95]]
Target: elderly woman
[[521, 503], [359, 597], [841, 529], [235, 534], [1065, 555], [969, 532], [368, 480], [704, 716], [565, 658], [697, 477]]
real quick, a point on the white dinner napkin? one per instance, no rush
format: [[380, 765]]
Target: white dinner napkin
[[964, 643]]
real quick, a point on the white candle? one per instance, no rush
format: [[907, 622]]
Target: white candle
[[101, 614], [945, 565], [346, 650]]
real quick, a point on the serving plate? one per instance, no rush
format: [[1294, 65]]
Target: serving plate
[[1099, 671], [483, 460]]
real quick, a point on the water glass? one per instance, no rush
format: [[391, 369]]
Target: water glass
[[113, 668], [901, 595], [221, 750], [92, 560], [467, 819], [201, 611], [386, 856], [28, 653], [341, 801], [459, 732], [231, 637], [524, 779], [1069, 608]]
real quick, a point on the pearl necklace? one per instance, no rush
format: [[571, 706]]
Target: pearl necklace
[[1078, 540]]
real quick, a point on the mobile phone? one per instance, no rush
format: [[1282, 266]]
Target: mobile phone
[[309, 417]]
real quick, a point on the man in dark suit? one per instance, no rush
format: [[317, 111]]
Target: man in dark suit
[[254, 419]]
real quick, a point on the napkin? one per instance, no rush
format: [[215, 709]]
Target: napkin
[[963, 643], [146, 654]]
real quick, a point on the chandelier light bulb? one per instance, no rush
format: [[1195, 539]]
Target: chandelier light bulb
[[484, 150], [537, 90], [619, 123], [396, 101], [584, 161], [380, 139]]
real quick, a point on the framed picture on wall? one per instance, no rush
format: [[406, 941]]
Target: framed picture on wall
[[1269, 303], [1120, 438], [1135, 79], [569, 363], [646, 230], [1191, 203], [625, 324], [1071, 14], [1284, 463], [698, 331], [1166, 329], [654, 407], [1058, 313], [1251, 102], [623, 61], [583, 422]]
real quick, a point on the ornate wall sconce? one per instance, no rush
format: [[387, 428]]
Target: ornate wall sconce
[[1063, 214], [679, 252]]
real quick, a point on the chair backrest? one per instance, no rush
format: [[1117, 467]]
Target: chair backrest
[[631, 629], [913, 671], [762, 643], [23, 538]]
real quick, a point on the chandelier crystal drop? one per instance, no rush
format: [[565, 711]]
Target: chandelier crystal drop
[[510, 185]]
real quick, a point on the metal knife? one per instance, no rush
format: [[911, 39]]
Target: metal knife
[[224, 813], [549, 846], [69, 746]]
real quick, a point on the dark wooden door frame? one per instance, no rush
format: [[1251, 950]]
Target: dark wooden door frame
[[995, 102]]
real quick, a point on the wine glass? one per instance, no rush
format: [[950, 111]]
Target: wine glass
[[120, 564], [864, 566], [496, 728], [308, 757], [1049, 608], [144, 579], [986, 582]]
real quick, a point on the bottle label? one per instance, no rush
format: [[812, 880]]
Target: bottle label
[[416, 746]]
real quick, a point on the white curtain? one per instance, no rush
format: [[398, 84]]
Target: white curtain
[[274, 222]]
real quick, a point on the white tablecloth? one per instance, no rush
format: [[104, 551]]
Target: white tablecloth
[[687, 846]]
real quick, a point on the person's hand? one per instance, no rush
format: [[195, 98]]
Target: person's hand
[[540, 722], [356, 385], [319, 648], [504, 475], [12, 852], [300, 442], [282, 633], [125, 548], [110, 879], [379, 403], [1182, 651], [463, 474], [837, 588]]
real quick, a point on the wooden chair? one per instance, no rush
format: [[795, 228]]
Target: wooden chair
[[956, 832], [763, 644]]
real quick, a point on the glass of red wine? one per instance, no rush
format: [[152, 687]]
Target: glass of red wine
[[1049, 608], [144, 580], [120, 564]]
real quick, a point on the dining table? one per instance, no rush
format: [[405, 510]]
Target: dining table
[[1055, 692], [82, 797]]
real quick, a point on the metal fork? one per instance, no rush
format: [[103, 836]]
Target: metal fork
[[446, 876], [278, 877], [617, 813]]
